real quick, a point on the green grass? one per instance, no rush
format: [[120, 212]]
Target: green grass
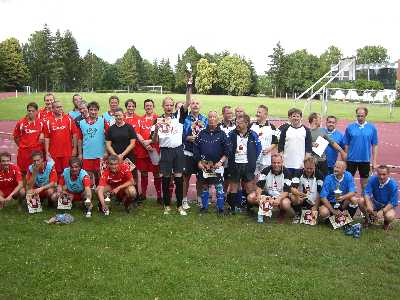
[[14, 108], [146, 255]]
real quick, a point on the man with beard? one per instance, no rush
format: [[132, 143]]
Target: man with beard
[[11, 185]]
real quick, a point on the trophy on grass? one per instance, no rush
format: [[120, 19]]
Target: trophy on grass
[[33, 203], [64, 201], [309, 217], [341, 219]]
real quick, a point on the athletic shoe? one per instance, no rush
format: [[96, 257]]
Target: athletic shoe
[[106, 211], [167, 210], [88, 214], [181, 211], [356, 230], [185, 204], [296, 218]]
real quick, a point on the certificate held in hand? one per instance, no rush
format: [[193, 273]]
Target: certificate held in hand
[[321, 146]]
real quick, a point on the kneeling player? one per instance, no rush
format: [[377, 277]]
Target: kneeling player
[[338, 193], [273, 186], [11, 185], [75, 182], [41, 178], [116, 179], [380, 198], [306, 186]]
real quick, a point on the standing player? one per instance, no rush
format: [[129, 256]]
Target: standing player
[[41, 178], [11, 185], [337, 136], [60, 141], [168, 133], [266, 134], [142, 149], [91, 142], [46, 112], [76, 100], [294, 141], [116, 179], [113, 102], [28, 136], [76, 182], [361, 144]]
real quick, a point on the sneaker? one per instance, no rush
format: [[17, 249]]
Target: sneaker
[[106, 212], [181, 211], [167, 210], [296, 219], [185, 204], [88, 214]]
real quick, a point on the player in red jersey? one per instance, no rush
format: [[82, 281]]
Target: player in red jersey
[[60, 134], [130, 117], [11, 185], [41, 178], [28, 136], [118, 180], [47, 111], [143, 161]]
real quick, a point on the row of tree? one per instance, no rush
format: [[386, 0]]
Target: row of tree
[[51, 62]]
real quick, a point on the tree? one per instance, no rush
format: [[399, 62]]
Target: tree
[[264, 85], [110, 77], [166, 75], [58, 74], [130, 69], [189, 56], [13, 71], [206, 76], [38, 56], [254, 78], [93, 71], [150, 73], [278, 69], [330, 57], [234, 75], [372, 54], [72, 61]]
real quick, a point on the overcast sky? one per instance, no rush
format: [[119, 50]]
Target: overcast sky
[[250, 28]]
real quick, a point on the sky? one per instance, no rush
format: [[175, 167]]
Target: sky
[[164, 29]]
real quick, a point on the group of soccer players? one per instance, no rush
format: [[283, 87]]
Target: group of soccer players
[[251, 164]]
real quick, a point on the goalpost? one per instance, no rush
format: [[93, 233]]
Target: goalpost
[[152, 88]]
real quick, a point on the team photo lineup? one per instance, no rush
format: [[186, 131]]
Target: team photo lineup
[[302, 173]]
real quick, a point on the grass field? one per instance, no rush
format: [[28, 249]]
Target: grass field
[[14, 108], [145, 255]]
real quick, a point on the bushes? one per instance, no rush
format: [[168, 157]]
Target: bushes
[[360, 84]]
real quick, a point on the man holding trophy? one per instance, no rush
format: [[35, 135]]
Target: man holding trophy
[[167, 132]]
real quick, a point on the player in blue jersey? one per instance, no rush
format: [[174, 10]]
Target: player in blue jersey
[[337, 136], [380, 198]]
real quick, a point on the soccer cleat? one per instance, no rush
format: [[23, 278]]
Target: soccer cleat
[[181, 211], [106, 211], [88, 214], [296, 219], [185, 204], [167, 210]]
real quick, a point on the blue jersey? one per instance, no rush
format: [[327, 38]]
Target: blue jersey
[[360, 138], [331, 153], [346, 185], [109, 118], [192, 126], [93, 138], [43, 178], [383, 194], [75, 186], [74, 114]]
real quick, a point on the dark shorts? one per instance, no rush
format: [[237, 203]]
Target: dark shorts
[[190, 166], [362, 167], [239, 172], [172, 160], [322, 167]]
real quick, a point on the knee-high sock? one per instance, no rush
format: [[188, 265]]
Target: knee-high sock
[[238, 199], [165, 187], [231, 199], [143, 184], [157, 185], [204, 198], [179, 190], [219, 188]]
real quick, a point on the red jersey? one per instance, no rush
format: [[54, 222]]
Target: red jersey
[[116, 179], [144, 129], [132, 120], [85, 180], [28, 132], [44, 115], [60, 131], [10, 178]]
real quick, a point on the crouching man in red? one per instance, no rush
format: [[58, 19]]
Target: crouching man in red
[[117, 180], [41, 178], [10, 180], [75, 182]]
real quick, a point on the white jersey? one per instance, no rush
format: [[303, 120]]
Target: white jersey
[[267, 136]]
